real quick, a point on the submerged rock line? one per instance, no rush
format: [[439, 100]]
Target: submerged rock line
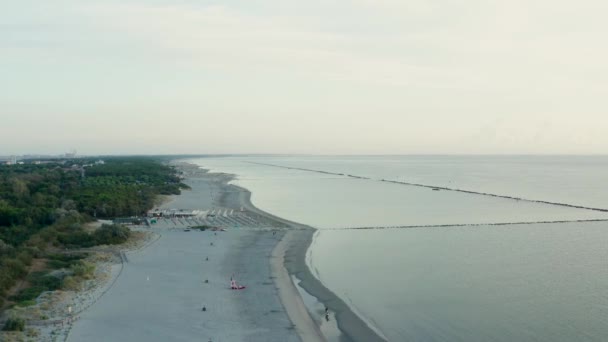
[[454, 225], [433, 187]]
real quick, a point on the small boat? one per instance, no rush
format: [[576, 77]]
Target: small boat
[[234, 286]]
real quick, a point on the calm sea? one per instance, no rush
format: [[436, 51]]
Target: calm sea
[[475, 282]]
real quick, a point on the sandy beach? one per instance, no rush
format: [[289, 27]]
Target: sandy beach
[[172, 283], [160, 290], [294, 246]]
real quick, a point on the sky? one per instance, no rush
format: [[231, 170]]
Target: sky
[[309, 77]]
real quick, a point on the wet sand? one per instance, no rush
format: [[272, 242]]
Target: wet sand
[[296, 242]]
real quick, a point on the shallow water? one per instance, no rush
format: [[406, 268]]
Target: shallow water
[[517, 283], [569, 179], [539, 282]]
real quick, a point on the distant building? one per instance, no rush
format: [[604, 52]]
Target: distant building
[[129, 220], [71, 155]]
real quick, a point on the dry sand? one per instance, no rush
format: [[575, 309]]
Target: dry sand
[[160, 294], [350, 327], [162, 288], [157, 292]]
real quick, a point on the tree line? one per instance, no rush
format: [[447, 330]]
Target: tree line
[[44, 207]]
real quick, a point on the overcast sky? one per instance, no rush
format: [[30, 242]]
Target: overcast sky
[[314, 76]]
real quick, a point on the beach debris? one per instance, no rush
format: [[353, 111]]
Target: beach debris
[[235, 286], [204, 308]]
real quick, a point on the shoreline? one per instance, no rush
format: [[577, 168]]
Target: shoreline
[[306, 327], [255, 255], [297, 240], [159, 295], [293, 280]]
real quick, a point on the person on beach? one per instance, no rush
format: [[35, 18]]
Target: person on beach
[[234, 286]]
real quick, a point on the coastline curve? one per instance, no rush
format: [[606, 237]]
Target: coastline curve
[[352, 327]]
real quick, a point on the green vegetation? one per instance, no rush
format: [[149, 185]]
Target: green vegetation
[[44, 208], [57, 261], [111, 234], [26, 303], [14, 324], [125, 187]]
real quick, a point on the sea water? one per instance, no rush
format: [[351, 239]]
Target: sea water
[[471, 281]]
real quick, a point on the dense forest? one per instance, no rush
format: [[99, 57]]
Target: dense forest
[[43, 208]]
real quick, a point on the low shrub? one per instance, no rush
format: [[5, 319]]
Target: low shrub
[[40, 282], [14, 324], [70, 283], [32, 333], [57, 261], [76, 239], [45, 280], [30, 293], [25, 257], [83, 269], [26, 303], [111, 234]]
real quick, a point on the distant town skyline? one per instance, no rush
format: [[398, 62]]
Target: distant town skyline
[[293, 77]]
